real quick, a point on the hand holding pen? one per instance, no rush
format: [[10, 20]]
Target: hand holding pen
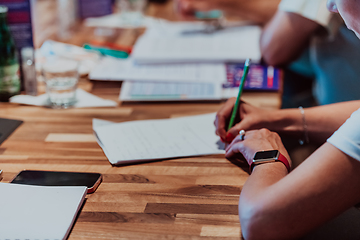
[[236, 115]]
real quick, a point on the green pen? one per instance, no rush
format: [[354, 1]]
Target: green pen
[[241, 86], [107, 51]]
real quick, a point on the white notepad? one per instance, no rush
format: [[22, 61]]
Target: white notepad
[[36, 212], [167, 43], [169, 91], [146, 140], [114, 69]]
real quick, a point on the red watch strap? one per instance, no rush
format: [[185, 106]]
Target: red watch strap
[[284, 160], [281, 158]]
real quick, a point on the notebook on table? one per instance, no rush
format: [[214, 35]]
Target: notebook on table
[[37, 212]]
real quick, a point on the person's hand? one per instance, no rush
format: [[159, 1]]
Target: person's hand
[[250, 118], [258, 11], [254, 141], [187, 8]]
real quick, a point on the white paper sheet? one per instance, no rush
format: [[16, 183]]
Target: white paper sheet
[[35, 212], [87, 59], [169, 91], [116, 21], [126, 69], [166, 42], [146, 140], [84, 99]]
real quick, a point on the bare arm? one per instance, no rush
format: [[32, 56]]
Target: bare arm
[[285, 37], [279, 205], [258, 11], [321, 121], [287, 207]]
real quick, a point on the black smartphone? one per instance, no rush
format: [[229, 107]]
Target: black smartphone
[[52, 178]]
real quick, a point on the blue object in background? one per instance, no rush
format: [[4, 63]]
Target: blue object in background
[[19, 19], [260, 77], [213, 14]]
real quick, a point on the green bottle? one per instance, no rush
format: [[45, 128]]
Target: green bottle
[[9, 64]]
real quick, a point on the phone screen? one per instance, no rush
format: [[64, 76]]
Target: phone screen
[[50, 178]]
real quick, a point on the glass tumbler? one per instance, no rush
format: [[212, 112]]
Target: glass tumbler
[[132, 12], [61, 78]]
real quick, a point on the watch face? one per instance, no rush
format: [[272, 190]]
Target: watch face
[[272, 154]]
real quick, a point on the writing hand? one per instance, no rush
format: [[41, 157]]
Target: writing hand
[[250, 118]]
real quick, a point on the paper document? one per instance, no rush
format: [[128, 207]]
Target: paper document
[[260, 78], [146, 140], [36, 212], [168, 91], [117, 21], [236, 44], [126, 69]]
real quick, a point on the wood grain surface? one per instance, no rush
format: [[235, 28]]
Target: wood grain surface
[[184, 198]]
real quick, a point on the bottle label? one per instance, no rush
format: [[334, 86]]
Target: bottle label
[[9, 79]]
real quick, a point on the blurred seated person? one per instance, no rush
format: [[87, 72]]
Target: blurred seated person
[[329, 51], [257, 11], [304, 36], [277, 202]]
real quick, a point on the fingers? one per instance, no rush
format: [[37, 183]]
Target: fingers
[[233, 149], [234, 131], [220, 124], [222, 118], [254, 141]]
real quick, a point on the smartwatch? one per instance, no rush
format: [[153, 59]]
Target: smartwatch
[[268, 157]]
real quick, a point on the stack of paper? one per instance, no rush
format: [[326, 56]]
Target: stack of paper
[[160, 82], [147, 140], [36, 212], [186, 42], [181, 61], [127, 69]]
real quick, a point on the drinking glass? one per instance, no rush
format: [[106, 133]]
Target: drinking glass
[[61, 78], [131, 12]]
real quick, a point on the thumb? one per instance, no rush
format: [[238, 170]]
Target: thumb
[[231, 134], [234, 131]]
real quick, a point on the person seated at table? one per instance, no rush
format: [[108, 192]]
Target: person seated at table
[[328, 51], [257, 11], [277, 203], [306, 38]]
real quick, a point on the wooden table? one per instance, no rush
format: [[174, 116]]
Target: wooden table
[[184, 198]]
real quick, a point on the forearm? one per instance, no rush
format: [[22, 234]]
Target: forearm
[[285, 37], [272, 203], [252, 207], [320, 121]]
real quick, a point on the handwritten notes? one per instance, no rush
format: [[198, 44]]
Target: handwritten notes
[[148, 140]]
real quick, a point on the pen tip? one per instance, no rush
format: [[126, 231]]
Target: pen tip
[[247, 62]]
